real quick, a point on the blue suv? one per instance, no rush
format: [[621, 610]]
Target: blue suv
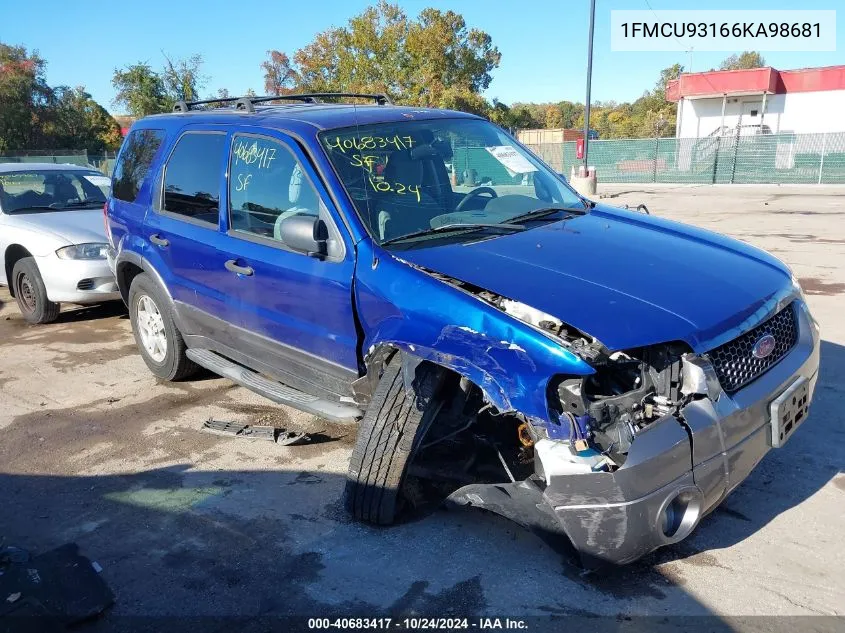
[[502, 342]]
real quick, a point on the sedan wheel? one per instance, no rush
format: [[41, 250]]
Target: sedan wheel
[[31, 294], [27, 292]]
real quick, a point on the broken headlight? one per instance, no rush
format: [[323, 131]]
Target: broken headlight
[[628, 391]]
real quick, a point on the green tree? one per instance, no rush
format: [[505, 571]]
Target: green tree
[[25, 98], [82, 123], [182, 79], [745, 60], [140, 90], [35, 116], [143, 91], [433, 60]]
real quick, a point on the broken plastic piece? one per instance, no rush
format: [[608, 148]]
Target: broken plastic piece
[[238, 429], [255, 432], [289, 438]]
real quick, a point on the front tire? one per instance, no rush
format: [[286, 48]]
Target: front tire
[[159, 341], [389, 436], [31, 294]]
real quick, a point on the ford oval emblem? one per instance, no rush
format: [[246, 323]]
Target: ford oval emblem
[[764, 346]]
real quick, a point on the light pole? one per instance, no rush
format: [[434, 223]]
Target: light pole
[[589, 78]]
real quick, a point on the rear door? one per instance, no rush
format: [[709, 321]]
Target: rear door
[[295, 309], [131, 186], [184, 230]]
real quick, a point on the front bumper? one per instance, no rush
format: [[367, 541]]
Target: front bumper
[[619, 517], [77, 281]]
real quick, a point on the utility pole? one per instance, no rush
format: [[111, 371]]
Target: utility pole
[[589, 79]]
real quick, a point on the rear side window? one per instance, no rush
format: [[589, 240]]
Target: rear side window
[[133, 165], [192, 176]]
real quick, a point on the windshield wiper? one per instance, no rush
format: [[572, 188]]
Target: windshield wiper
[[35, 208], [455, 226], [85, 203], [542, 213]]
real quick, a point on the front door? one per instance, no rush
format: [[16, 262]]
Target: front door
[[751, 115], [295, 309]]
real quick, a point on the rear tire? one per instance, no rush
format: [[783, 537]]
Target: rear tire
[[31, 294], [159, 341], [389, 435]]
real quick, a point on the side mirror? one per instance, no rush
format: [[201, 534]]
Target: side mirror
[[305, 233]]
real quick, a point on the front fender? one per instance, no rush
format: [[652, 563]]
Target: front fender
[[404, 307]]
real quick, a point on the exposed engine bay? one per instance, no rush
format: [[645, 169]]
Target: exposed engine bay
[[598, 416]]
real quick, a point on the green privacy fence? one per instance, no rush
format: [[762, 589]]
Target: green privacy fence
[[765, 158], [101, 162]]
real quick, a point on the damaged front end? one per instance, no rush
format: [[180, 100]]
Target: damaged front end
[[614, 437], [618, 451], [633, 455]]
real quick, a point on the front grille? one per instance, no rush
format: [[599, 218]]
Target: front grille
[[85, 284], [734, 363]]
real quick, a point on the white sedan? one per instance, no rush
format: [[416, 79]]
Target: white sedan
[[53, 238]]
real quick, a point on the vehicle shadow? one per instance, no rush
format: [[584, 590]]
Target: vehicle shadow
[[178, 543], [94, 312]]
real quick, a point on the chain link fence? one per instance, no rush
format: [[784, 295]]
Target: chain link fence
[[758, 159], [101, 162]]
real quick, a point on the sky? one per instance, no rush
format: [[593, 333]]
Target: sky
[[543, 42]]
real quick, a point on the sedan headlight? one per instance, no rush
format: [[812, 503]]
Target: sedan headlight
[[83, 251]]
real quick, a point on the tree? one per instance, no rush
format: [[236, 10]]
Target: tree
[[25, 96], [182, 79], [140, 90], [745, 60], [432, 60], [143, 91], [82, 123], [279, 75], [36, 116]]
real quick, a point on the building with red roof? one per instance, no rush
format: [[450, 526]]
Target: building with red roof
[[759, 101]]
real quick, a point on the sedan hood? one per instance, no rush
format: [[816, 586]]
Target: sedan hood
[[76, 226], [624, 278]]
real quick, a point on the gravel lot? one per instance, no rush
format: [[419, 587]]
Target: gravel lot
[[93, 450]]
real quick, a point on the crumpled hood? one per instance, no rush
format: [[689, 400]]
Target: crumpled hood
[[75, 226], [625, 278]]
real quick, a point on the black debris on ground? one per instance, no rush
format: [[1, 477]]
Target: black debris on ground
[[50, 591]]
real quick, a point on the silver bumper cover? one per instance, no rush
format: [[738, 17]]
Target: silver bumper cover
[[619, 517]]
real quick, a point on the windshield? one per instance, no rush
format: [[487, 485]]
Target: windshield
[[422, 178], [52, 190]]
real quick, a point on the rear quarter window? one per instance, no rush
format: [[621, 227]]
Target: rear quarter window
[[133, 165]]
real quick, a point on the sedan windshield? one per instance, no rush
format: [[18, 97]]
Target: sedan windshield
[[52, 190], [416, 181]]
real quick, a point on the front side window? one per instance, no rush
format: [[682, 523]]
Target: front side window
[[133, 164], [31, 191], [192, 176], [416, 181], [266, 185]]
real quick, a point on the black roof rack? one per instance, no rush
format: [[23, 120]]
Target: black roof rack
[[247, 104]]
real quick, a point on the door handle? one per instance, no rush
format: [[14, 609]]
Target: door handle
[[232, 265], [158, 240]]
